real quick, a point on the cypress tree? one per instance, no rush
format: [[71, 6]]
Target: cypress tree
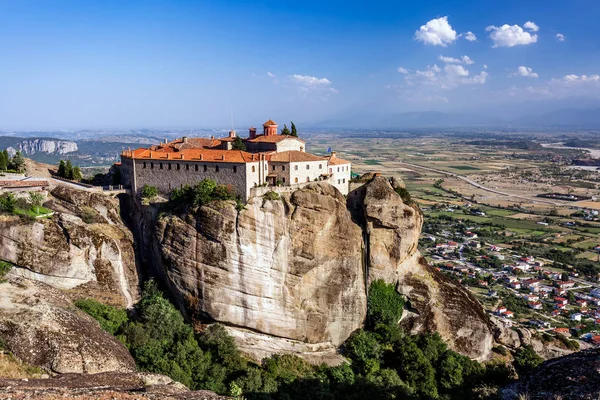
[[285, 130], [77, 175], [61, 169], [294, 131], [69, 170], [18, 161], [6, 157], [3, 162]]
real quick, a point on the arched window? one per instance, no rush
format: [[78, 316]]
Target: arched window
[[273, 168], [338, 169], [187, 167], [169, 164], [295, 180], [307, 166], [178, 167], [253, 168], [205, 168], [161, 166], [330, 170], [283, 167], [307, 179]]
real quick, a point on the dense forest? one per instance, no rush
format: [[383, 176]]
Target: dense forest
[[383, 361]]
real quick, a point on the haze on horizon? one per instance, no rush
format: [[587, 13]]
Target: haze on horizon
[[177, 64]]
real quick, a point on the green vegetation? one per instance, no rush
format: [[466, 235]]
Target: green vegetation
[[463, 167], [372, 162], [111, 319], [271, 195], [294, 131], [238, 144], [385, 363], [67, 171], [14, 164], [202, 193], [4, 268], [285, 130], [526, 359], [10, 205], [149, 191]]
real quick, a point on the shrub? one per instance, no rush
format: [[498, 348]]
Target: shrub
[[89, 215], [111, 319], [149, 191], [385, 304], [5, 267], [8, 203], [527, 359], [404, 194], [271, 195]]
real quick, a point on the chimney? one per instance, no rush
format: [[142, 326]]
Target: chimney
[[252, 133], [222, 156], [150, 154], [333, 154], [166, 141], [200, 156], [182, 156], [184, 139], [212, 137], [232, 134]]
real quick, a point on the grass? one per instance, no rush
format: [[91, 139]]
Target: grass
[[12, 368], [30, 212], [372, 162]]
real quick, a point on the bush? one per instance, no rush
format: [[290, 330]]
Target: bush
[[8, 203], [111, 319], [404, 194], [527, 359], [385, 304], [5, 267], [149, 191], [271, 195], [89, 215]]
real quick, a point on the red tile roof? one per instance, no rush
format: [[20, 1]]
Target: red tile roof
[[204, 155], [270, 123], [273, 139], [293, 156]]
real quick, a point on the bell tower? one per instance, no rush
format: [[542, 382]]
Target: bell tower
[[270, 128]]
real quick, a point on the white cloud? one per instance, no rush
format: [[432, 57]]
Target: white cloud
[[436, 32], [470, 36], [510, 35], [403, 70], [312, 83], [525, 72], [531, 26], [560, 37], [456, 70], [478, 79], [485, 66], [580, 78], [271, 75], [451, 60]]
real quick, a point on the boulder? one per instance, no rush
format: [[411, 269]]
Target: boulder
[[42, 327]]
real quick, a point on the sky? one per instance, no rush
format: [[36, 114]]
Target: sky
[[191, 64]]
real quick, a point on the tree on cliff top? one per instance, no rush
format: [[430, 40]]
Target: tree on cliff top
[[3, 162], [294, 131], [285, 130], [62, 169], [238, 144], [18, 161]]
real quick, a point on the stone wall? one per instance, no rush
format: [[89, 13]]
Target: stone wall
[[237, 175]]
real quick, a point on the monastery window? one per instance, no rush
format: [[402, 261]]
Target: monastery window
[[320, 166], [170, 166], [234, 169], [196, 167], [266, 167], [144, 164], [283, 167], [295, 180], [295, 168], [178, 167], [151, 165], [283, 180], [161, 166], [205, 168], [187, 167], [253, 168], [344, 180], [216, 168], [273, 168], [307, 179], [338, 181], [338, 169], [307, 166], [330, 170]]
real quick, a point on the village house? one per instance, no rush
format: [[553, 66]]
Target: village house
[[536, 305], [269, 159]]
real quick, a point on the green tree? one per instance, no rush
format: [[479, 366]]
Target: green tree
[[62, 169], [68, 170], [294, 131], [149, 191], [385, 304], [18, 161], [527, 359], [36, 199], [6, 157], [238, 144], [77, 175], [285, 130], [111, 319], [8, 203], [3, 162], [365, 352], [203, 191]]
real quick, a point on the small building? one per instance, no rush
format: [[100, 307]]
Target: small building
[[536, 305], [576, 317], [561, 300]]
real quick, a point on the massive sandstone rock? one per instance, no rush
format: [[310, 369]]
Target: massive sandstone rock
[[291, 275], [289, 269], [434, 303], [90, 260], [41, 326]]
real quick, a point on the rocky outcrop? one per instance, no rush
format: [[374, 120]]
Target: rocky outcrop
[[41, 326], [48, 146], [434, 303], [291, 275], [102, 386], [93, 259], [289, 268], [576, 376]]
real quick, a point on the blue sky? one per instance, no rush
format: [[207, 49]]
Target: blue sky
[[177, 64]]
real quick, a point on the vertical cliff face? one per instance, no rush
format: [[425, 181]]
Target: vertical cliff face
[[88, 259], [291, 275], [48, 146], [289, 268]]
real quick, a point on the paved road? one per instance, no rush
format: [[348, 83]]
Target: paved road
[[477, 185]]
